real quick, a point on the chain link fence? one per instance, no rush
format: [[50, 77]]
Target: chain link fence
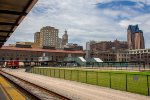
[[136, 83]]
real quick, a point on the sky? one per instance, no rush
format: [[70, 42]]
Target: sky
[[85, 20]]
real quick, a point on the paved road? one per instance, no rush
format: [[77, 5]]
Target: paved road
[[77, 91]]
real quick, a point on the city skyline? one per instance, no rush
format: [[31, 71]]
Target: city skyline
[[86, 20]]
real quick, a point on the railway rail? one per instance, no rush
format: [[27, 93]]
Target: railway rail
[[39, 93]]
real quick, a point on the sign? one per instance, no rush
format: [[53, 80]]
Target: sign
[[135, 78]]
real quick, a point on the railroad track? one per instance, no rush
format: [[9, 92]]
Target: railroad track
[[37, 92]]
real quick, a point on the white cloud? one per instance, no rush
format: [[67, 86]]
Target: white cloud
[[80, 17]]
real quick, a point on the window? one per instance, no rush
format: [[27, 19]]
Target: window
[[31, 59]]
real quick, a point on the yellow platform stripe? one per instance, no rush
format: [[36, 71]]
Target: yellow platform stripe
[[4, 92], [11, 92]]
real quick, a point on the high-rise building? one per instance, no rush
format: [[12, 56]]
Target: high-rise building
[[37, 38], [50, 36], [65, 38], [47, 37], [135, 37]]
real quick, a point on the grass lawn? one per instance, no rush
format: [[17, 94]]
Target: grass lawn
[[137, 82]]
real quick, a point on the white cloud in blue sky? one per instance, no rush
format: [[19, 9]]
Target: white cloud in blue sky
[[86, 19]]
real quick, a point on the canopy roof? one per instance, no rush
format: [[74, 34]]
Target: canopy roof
[[12, 12]]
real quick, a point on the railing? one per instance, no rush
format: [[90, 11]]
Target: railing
[[130, 82]]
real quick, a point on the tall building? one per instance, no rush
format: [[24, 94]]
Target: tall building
[[50, 36], [135, 37], [47, 37], [37, 38], [65, 38]]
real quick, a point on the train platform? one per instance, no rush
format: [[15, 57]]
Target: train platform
[[75, 90], [7, 92], [3, 95]]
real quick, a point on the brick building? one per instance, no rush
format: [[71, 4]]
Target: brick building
[[109, 45], [105, 56]]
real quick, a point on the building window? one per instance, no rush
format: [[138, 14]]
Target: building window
[[31, 59], [26, 59]]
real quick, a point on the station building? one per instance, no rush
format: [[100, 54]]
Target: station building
[[32, 54]]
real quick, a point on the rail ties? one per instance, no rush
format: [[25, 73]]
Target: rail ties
[[35, 90]]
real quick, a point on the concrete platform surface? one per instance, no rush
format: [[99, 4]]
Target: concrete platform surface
[[7, 92], [76, 90]]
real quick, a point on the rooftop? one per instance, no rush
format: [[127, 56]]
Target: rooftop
[[40, 50], [134, 29]]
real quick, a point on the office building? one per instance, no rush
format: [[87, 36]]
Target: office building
[[135, 37], [47, 37]]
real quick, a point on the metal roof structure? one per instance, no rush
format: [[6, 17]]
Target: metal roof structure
[[12, 12]]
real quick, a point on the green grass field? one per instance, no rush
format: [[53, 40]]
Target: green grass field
[[137, 82]]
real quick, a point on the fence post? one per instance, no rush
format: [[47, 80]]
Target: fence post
[[126, 82], [97, 78], [148, 84], [64, 74], [110, 79], [86, 76], [38, 70], [42, 71], [33, 70], [50, 72], [46, 72], [78, 76], [59, 73], [54, 72], [71, 75]]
